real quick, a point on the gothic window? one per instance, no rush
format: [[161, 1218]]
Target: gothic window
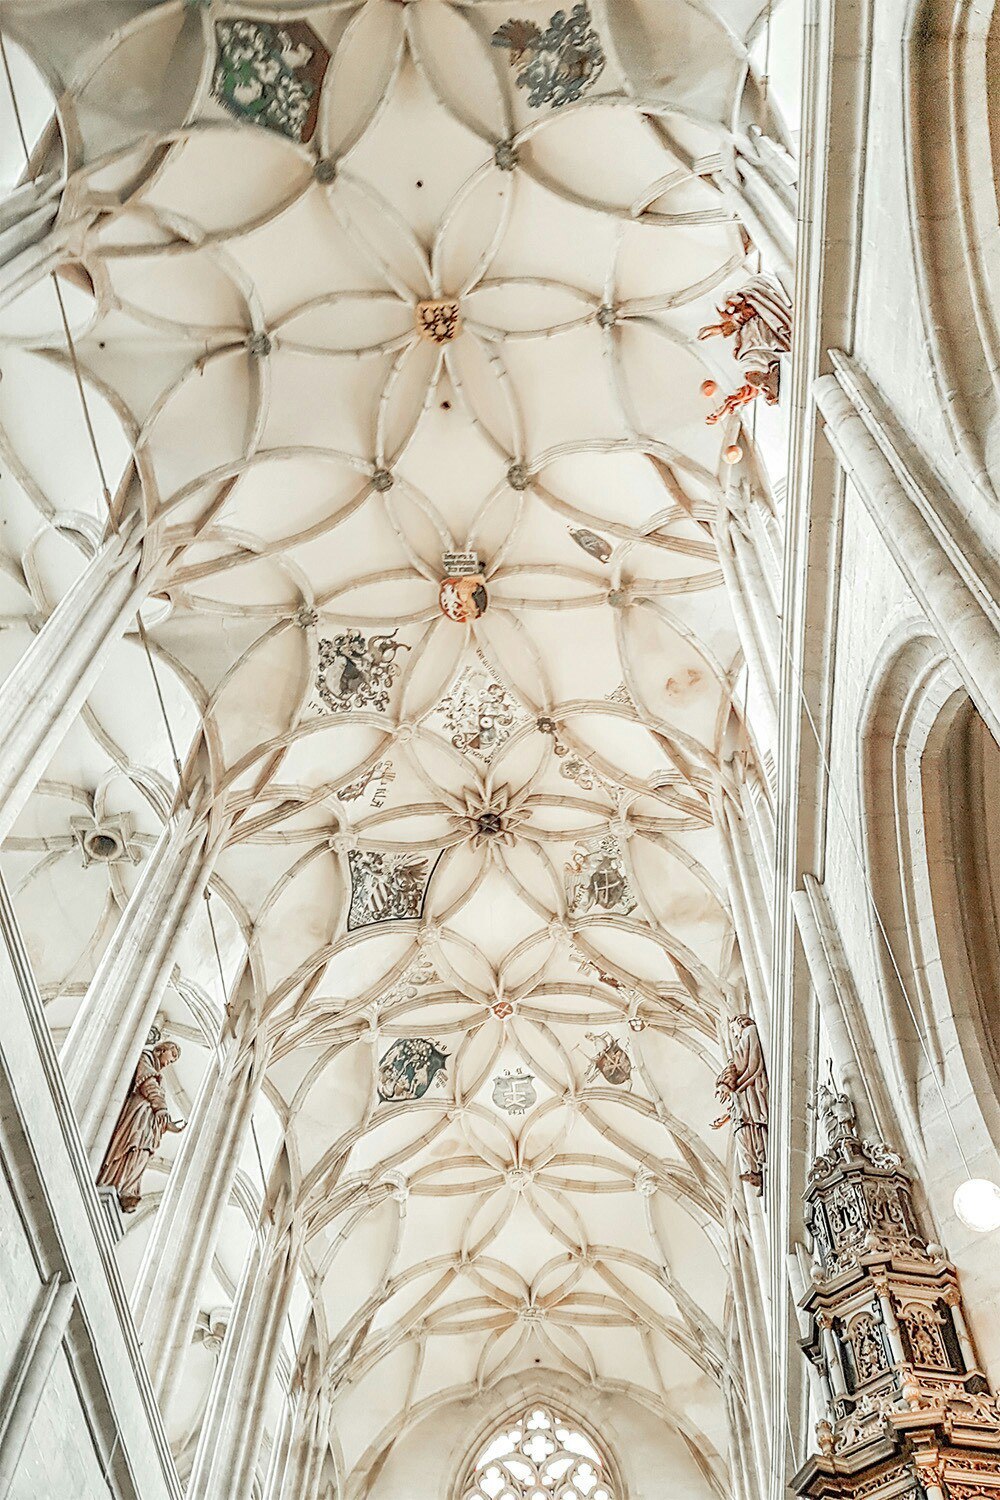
[[537, 1454]]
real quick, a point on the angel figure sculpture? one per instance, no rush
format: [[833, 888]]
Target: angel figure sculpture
[[758, 318]]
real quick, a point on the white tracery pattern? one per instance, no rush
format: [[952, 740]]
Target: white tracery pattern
[[492, 839], [539, 1454]]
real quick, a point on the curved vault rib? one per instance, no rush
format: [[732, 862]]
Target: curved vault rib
[[472, 863]]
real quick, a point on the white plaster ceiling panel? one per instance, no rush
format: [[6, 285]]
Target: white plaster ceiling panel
[[372, 284]]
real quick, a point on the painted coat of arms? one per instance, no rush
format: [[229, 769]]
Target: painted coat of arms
[[438, 321], [560, 63], [597, 546], [270, 74], [355, 671], [408, 1068], [514, 1092], [596, 879], [612, 1061], [386, 887], [375, 781], [478, 715]]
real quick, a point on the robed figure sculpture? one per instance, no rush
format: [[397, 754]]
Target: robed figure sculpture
[[142, 1124], [742, 1088]]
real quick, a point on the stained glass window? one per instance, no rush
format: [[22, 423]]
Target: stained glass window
[[539, 1455]]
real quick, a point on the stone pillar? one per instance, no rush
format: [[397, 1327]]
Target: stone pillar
[[43, 1344], [757, 660], [752, 572], [812, 918], [770, 226], [48, 686], [939, 579], [231, 1435], [831, 1354], [100, 1053], [302, 1473], [34, 238], [753, 1342], [165, 1299], [750, 910]]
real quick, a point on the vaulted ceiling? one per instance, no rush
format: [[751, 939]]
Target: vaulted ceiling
[[366, 285]]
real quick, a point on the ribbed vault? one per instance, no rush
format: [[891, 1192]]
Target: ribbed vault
[[368, 295]]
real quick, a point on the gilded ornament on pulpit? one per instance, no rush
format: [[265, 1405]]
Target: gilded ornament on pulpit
[[903, 1404]]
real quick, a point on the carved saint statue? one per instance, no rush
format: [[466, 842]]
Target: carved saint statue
[[742, 1088], [758, 318], [142, 1124]]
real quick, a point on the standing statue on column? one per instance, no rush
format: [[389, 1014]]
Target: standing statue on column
[[142, 1124], [742, 1088], [758, 319]]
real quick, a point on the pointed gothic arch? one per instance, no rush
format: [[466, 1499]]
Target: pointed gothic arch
[[539, 1445], [934, 871]]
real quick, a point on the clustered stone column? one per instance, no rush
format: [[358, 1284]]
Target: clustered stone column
[[45, 691], [165, 1299], [100, 1052], [233, 1428], [302, 1460]]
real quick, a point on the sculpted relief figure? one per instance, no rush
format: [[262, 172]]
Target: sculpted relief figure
[[742, 1088], [758, 318], [142, 1124]]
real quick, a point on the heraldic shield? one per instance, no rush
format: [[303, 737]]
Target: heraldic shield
[[514, 1092], [612, 1061], [408, 1068]]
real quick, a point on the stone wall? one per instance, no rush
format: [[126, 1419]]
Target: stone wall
[[92, 1427]]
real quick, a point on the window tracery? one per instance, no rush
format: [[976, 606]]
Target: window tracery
[[537, 1454]]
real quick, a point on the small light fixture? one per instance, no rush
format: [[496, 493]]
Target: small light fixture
[[977, 1204], [733, 453], [709, 387]]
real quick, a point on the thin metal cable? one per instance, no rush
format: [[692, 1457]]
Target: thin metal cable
[[111, 1455], [94, 445], [218, 954], [71, 346], [19, 122], [91, 434], [163, 707]]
